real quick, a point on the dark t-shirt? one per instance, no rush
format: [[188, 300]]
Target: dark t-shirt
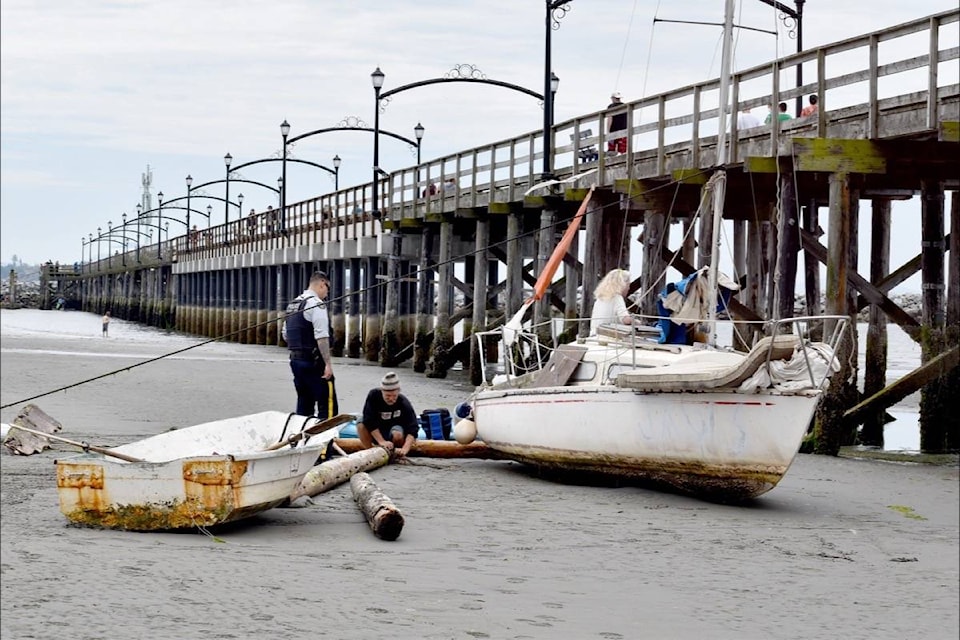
[[618, 122], [377, 414]]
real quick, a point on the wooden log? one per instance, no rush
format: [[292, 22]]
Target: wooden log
[[332, 473], [382, 515], [433, 449]]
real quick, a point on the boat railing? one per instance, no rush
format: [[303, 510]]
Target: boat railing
[[821, 333]]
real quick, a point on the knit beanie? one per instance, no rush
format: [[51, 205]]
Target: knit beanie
[[390, 382]]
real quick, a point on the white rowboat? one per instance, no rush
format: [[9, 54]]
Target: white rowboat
[[202, 475]]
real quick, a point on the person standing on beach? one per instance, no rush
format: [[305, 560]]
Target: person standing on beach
[[106, 323], [306, 331], [388, 419]]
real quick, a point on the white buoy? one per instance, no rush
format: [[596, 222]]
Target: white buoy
[[465, 431]]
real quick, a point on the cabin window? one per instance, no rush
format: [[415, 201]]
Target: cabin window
[[585, 372]]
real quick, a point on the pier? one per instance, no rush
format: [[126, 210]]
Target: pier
[[393, 247]]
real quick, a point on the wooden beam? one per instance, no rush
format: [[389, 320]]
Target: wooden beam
[[869, 291], [899, 276], [949, 131], [837, 155], [906, 385]]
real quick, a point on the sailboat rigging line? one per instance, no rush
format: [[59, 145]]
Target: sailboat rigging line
[[282, 316], [626, 40]]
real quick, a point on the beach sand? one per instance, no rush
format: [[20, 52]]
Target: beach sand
[[840, 549]]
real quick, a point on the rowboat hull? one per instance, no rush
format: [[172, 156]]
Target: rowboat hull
[[723, 446], [204, 475]]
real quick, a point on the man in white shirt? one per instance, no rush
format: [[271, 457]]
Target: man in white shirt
[[746, 120]]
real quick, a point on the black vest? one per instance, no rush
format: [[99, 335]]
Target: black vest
[[299, 329]]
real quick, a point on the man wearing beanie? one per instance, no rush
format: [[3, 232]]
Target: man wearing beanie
[[388, 420], [306, 331]]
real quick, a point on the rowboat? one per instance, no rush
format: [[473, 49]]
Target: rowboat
[[197, 476]]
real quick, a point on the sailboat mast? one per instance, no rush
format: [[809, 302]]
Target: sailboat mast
[[719, 189]]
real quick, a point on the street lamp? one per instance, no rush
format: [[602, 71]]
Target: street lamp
[[159, 218], [99, 233], [418, 134], [139, 210], [280, 192], [284, 132], [209, 214], [90, 253], [123, 258], [336, 172], [239, 211], [376, 78], [189, 182], [550, 83], [227, 159]]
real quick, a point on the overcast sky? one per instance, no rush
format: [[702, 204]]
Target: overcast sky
[[93, 91]]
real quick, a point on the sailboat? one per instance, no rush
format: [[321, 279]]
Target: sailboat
[[714, 422]]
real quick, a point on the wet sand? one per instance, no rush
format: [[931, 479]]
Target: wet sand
[[841, 549]]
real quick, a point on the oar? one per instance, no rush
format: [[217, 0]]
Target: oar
[[320, 427], [82, 445]]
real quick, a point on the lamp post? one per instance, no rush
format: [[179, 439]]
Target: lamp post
[[284, 132], [418, 134], [189, 182], [280, 192], [99, 233], [90, 253], [239, 212], [550, 83], [159, 218], [227, 159], [139, 210], [209, 214], [376, 78], [123, 257], [336, 172]]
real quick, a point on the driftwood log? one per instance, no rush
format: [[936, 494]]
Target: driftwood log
[[433, 449], [382, 515], [332, 473], [24, 443]]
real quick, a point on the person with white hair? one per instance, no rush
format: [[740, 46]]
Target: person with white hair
[[388, 419], [610, 305]]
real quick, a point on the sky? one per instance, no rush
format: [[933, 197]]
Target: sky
[[94, 91]]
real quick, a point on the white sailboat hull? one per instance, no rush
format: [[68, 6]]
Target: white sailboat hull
[[203, 475], [720, 444]]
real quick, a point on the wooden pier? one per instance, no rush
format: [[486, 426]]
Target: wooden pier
[[395, 296]]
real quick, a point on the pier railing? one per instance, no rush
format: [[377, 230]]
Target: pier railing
[[894, 82]]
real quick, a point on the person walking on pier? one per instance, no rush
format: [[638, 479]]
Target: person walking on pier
[[616, 124], [811, 108], [106, 324], [306, 331], [388, 419], [782, 114]]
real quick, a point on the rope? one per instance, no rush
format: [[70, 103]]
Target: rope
[[415, 271]]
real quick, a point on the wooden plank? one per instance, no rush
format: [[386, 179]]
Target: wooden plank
[[950, 131], [560, 366], [760, 164], [690, 176], [870, 292], [894, 393], [837, 155]]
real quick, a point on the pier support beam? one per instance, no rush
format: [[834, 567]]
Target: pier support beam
[[480, 273], [390, 341], [443, 332], [421, 339], [934, 397], [875, 370], [829, 431], [788, 243], [353, 313]]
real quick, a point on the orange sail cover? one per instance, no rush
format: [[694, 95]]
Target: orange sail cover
[[546, 276]]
